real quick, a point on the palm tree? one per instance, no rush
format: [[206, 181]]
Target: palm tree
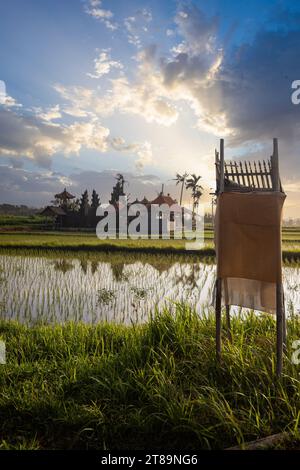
[[180, 179], [192, 183]]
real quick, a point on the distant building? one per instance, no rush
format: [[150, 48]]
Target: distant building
[[69, 212]]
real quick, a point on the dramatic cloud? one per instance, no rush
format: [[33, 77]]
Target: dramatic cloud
[[241, 92], [36, 137], [29, 136], [256, 90], [244, 93], [146, 96]]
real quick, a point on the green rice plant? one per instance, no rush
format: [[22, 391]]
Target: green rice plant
[[78, 386]]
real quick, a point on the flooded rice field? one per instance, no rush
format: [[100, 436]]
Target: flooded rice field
[[123, 289]]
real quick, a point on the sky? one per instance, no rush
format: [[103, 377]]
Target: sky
[[145, 88]]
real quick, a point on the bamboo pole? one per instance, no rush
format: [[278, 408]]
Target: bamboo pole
[[221, 165], [218, 317], [275, 166], [279, 329], [228, 323]]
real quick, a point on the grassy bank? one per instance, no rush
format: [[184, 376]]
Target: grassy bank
[[73, 240], [22, 221], [156, 385], [70, 241]]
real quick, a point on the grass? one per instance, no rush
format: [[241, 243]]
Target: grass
[[156, 385], [76, 241], [89, 242], [21, 220]]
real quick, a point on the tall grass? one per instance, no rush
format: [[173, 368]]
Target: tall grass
[[155, 385]]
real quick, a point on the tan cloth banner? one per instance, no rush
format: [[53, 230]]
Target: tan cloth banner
[[248, 247]]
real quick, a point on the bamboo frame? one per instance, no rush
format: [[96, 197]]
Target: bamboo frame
[[259, 176], [255, 176]]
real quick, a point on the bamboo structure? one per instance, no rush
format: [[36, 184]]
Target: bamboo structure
[[241, 179]]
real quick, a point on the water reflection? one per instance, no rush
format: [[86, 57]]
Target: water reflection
[[37, 289], [63, 265]]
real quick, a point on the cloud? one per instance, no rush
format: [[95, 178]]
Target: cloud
[[93, 8], [6, 100], [18, 185], [143, 150], [142, 99], [144, 154], [137, 25], [256, 88], [36, 137], [244, 92], [79, 99], [199, 32], [103, 64], [145, 96], [29, 136], [170, 32], [50, 114]]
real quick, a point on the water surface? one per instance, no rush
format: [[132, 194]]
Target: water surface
[[42, 289]]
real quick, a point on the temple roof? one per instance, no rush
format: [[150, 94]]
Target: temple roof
[[164, 199], [64, 195], [52, 211]]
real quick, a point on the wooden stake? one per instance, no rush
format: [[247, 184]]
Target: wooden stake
[[218, 317], [279, 329], [275, 166], [284, 323], [228, 323], [221, 165]]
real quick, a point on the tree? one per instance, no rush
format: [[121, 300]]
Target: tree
[[95, 200], [118, 189], [192, 183], [74, 205], [84, 204], [180, 179]]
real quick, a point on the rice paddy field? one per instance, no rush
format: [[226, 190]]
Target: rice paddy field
[[87, 241], [113, 348], [57, 287]]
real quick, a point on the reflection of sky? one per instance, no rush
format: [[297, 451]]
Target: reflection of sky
[[44, 290]]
